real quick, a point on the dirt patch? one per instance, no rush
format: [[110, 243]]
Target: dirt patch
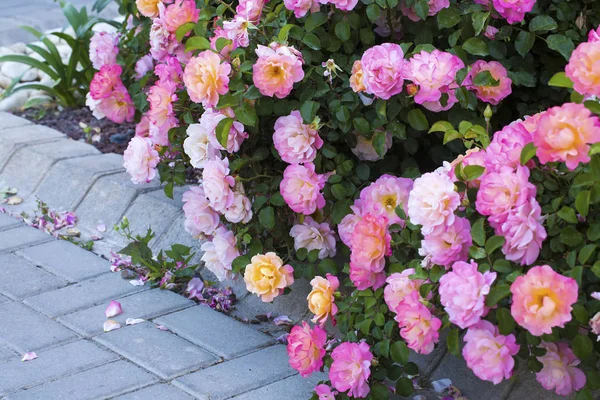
[[111, 138]]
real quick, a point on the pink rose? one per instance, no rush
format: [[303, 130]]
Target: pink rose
[[240, 210], [524, 233], [595, 324], [162, 118], [301, 188], [490, 32], [197, 145], [118, 106], [463, 291], [563, 134], [276, 70], [473, 156], [382, 197], [435, 74], [560, 372], [347, 224], [220, 252], [220, 33], [200, 218], [178, 13], [542, 299], [209, 121], [513, 10], [169, 70], [418, 327], [143, 66], [217, 184], [490, 94], [434, 7], [432, 202], [448, 246], [301, 7], [306, 348], [370, 244], [142, 128], [382, 70], [140, 160], [295, 141], [311, 235], [206, 78], [344, 5], [488, 354], [325, 393], [364, 149], [236, 30], [506, 146], [251, 9], [104, 49], [399, 285], [351, 368], [105, 81]]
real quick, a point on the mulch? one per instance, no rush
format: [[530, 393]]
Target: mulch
[[112, 138]]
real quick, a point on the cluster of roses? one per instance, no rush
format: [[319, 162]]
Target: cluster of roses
[[108, 97], [382, 70]]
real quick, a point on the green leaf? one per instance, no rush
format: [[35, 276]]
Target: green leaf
[[562, 44], [524, 42], [479, 18], [421, 8], [342, 30], [493, 243], [485, 78], [266, 217], [584, 394], [583, 347], [284, 32], [222, 130], [448, 17], [473, 172], [404, 387], [506, 323], [417, 120], [496, 294], [542, 23], [475, 46], [452, 342], [315, 20], [197, 43], [246, 114], [379, 138], [183, 30], [582, 202], [581, 314], [222, 42], [560, 79], [399, 352], [451, 135], [338, 191], [361, 125], [312, 41], [308, 110], [527, 153], [441, 126], [239, 263], [478, 232], [32, 62], [594, 107], [567, 214], [503, 266], [586, 252]]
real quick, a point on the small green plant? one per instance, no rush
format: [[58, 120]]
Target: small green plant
[[71, 80]]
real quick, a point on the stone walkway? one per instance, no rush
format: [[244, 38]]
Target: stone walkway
[[53, 295]]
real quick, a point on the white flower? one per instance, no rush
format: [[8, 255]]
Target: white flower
[[311, 235]]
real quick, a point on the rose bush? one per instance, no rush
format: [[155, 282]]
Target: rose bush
[[425, 164]]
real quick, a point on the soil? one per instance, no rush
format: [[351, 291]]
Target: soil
[[112, 138]]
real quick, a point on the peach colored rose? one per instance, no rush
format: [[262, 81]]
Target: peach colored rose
[[266, 276], [206, 78], [356, 80], [148, 8], [321, 301]]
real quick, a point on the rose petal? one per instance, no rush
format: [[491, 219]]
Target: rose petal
[[14, 200], [596, 295], [441, 385], [113, 309], [282, 320], [137, 282], [101, 227], [161, 327], [95, 238], [30, 355], [283, 338], [133, 321], [111, 325]]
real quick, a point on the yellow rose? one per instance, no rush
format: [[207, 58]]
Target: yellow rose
[[149, 8], [320, 300], [266, 276]]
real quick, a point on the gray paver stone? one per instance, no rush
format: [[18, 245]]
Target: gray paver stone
[[25, 330], [8, 120], [21, 279], [66, 260], [455, 369], [21, 236], [14, 138], [29, 165], [82, 295], [6, 222], [4, 299], [215, 332], [64, 194], [238, 376], [51, 364], [157, 392], [526, 387], [158, 351], [176, 233], [7, 354], [294, 387], [428, 363], [109, 197], [98, 383], [149, 304]]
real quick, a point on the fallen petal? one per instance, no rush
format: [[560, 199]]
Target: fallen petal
[[161, 327], [113, 309], [111, 325], [282, 320], [441, 385], [133, 321], [101, 227], [419, 397], [95, 238], [137, 282], [30, 355], [283, 338], [14, 200]]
